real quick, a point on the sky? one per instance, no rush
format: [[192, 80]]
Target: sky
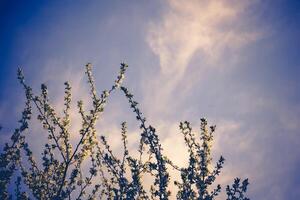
[[234, 62]]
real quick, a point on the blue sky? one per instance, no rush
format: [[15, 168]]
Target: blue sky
[[235, 62]]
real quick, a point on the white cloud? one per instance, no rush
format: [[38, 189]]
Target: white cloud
[[205, 28], [209, 26]]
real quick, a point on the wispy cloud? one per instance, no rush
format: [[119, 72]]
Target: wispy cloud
[[205, 28]]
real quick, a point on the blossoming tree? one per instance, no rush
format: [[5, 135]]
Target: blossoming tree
[[59, 174]]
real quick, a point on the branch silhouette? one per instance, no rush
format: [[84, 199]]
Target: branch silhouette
[[61, 172]]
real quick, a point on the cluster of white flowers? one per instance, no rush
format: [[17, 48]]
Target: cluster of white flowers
[[61, 173]]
